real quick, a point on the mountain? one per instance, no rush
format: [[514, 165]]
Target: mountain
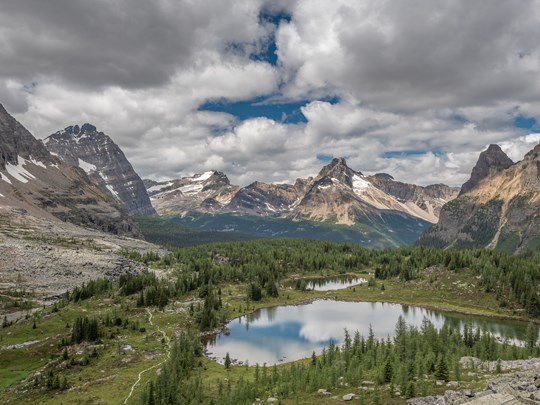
[[339, 204], [38, 183], [207, 192], [104, 163], [264, 199], [341, 194], [498, 207], [337, 194]]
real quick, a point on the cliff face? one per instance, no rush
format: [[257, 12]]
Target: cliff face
[[34, 181], [499, 208], [104, 163]]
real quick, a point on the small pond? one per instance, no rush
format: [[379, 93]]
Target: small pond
[[326, 283], [288, 333]]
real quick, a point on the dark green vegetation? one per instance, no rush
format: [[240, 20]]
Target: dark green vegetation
[[392, 230], [410, 363], [201, 287], [513, 280], [170, 231]]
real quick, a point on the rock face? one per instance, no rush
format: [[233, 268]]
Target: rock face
[[104, 163], [338, 194], [33, 180], [498, 207], [346, 195], [491, 161]]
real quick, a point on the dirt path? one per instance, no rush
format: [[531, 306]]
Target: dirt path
[[167, 340]]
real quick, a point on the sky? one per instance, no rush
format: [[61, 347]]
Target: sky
[[272, 90]]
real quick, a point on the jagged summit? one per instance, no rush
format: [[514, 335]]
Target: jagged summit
[[209, 191], [79, 130], [104, 162], [337, 169], [384, 176], [338, 194], [492, 160]]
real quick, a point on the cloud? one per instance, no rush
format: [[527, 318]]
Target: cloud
[[127, 43], [415, 55], [442, 79]]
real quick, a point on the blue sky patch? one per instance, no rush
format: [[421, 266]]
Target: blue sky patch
[[323, 157], [529, 123], [268, 51], [406, 153], [287, 112]]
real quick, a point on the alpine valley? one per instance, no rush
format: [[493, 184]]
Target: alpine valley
[[119, 290]]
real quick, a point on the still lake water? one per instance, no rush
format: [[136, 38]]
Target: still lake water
[[329, 283], [288, 333]]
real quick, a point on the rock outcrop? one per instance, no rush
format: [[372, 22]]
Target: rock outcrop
[[429, 198], [520, 385], [104, 163]]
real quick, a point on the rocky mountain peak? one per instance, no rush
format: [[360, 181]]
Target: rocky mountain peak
[[80, 130], [16, 141], [337, 169], [36, 182], [384, 176], [104, 162], [492, 160]]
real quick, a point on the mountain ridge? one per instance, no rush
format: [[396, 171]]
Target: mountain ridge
[[336, 192]]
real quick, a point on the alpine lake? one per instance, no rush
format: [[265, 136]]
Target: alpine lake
[[287, 333]]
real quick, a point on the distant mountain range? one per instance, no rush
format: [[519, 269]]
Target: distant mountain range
[[339, 204], [80, 175], [338, 194]]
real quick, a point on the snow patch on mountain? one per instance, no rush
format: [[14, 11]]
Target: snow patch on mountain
[[202, 177], [37, 162], [87, 167], [113, 191], [159, 187], [18, 172], [359, 184], [191, 189]]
